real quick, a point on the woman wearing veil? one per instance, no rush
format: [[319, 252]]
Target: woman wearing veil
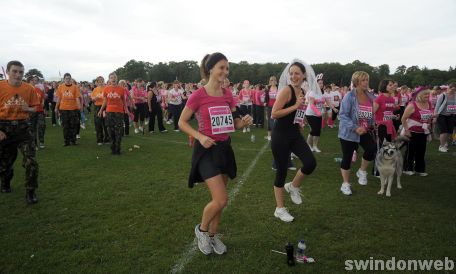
[[289, 111]]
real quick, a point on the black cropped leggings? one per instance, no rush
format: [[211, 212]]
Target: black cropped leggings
[[366, 142], [281, 145]]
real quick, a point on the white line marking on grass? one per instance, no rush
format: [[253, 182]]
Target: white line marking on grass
[[192, 248]]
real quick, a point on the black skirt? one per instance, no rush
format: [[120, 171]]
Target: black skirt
[[218, 159]]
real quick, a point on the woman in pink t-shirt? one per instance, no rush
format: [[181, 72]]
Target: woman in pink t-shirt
[[213, 158], [270, 98], [258, 102], [139, 94]]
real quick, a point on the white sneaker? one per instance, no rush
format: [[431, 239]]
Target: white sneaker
[[141, 129], [136, 130], [293, 156], [42, 145], [77, 136], [316, 149], [292, 168], [217, 245], [311, 148], [362, 177], [100, 144], [267, 138], [422, 174], [176, 130], [282, 214], [244, 130], [204, 241], [248, 129], [410, 173], [295, 193], [83, 126], [146, 122], [169, 122], [443, 149], [345, 188]]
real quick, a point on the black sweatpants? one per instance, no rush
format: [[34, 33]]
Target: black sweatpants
[[315, 125], [414, 155], [258, 115], [176, 112], [366, 142], [282, 143], [156, 112]]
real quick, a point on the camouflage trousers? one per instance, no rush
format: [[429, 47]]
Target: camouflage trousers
[[18, 137], [70, 124], [38, 127], [115, 124], [100, 127]]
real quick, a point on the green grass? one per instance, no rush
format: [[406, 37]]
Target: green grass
[[135, 213]]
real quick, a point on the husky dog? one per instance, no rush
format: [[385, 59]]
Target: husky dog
[[388, 161]]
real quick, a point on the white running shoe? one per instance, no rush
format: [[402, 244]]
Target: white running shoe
[[244, 130], [422, 174], [248, 129], [100, 144], [292, 168], [282, 214], [83, 126], [204, 241], [267, 138], [42, 145], [217, 245], [141, 129], [169, 122], [136, 130], [409, 173], [362, 177], [146, 122], [311, 149], [316, 149], [295, 193], [77, 136], [345, 188], [443, 149]]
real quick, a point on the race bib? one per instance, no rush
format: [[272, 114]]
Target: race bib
[[425, 116], [404, 99], [388, 115], [300, 115], [246, 98], [221, 120], [272, 95], [364, 115], [451, 109]]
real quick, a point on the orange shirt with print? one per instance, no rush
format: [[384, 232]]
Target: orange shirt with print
[[97, 96], [13, 98], [41, 96], [114, 98], [69, 96]]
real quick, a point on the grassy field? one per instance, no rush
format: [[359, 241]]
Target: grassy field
[[134, 213]]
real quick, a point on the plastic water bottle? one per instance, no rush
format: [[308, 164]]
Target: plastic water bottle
[[290, 254], [252, 138], [300, 251]]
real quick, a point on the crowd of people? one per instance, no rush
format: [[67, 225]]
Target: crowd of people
[[298, 100]]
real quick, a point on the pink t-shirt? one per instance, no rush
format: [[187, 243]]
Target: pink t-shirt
[[364, 114], [272, 96], [141, 93], [385, 109], [260, 97], [213, 113], [433, 100], [245, 97], [403, 99], [423, 116]]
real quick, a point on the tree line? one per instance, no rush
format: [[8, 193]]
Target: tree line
[[337, 73]]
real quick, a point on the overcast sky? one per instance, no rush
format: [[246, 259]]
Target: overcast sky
[[94, 37]]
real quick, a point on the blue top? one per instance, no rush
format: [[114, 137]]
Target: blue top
[[348, 116]]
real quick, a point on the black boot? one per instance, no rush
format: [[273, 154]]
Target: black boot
[[6, 187], [30, 196]]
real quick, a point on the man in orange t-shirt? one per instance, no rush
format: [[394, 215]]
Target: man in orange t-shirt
[[37, 119], [17, 101], [114, 103], [68, 105], [100, 121]]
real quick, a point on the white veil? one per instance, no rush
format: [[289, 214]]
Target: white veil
[[310, 83]]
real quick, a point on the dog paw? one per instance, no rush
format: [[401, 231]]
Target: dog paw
[[388, 194]]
